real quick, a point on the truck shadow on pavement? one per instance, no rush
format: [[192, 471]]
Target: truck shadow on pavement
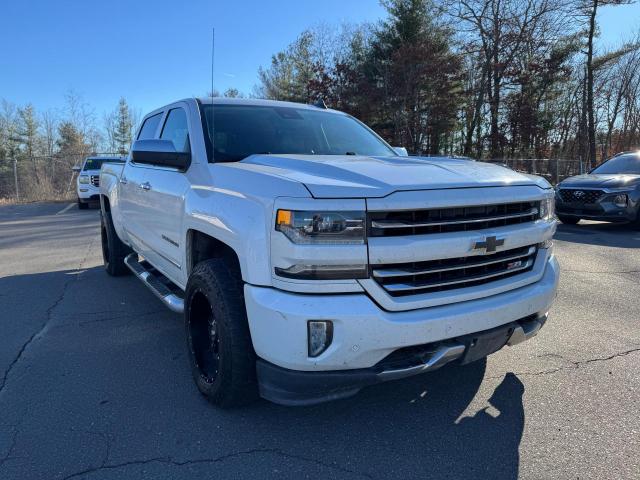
[[600, 234], [419, 427]]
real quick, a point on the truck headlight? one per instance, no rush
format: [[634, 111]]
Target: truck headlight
[[84, 179], [326, 228], [548, 208]]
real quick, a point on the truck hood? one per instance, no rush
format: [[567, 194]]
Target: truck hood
[[347, 176], [601, 181]]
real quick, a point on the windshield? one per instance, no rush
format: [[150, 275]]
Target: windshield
[[243, 130], [96, 163], [628, 163]]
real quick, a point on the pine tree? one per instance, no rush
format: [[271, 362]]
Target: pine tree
[[28, 130], [122, 134], [71, 141]]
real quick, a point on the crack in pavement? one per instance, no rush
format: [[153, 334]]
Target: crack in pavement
[[14, 439], [48, 314], [107, 442], [177, 463], [572, 363]]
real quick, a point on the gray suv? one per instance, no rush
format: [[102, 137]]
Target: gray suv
[[610, 192]]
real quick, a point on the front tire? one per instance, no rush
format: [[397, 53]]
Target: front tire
[[221, 354], [82, 205], [569, 220], [114, 250]]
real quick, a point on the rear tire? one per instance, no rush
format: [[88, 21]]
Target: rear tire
[[114, 250], [82, 205], [569, 220], [223, 362]]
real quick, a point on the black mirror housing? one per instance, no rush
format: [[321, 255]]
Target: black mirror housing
[[160, 153]]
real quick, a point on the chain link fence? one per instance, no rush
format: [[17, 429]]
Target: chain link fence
[[39, 178], [554, 170]]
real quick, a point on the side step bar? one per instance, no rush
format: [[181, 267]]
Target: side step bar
[[159, 289]]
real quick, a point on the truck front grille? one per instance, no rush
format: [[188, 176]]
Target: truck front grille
[[452, 273], [582, 197], [453, 219], [95, 180]]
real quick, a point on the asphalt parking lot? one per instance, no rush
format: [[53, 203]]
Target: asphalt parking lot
[[94, 382]]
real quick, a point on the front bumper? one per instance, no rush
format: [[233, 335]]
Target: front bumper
[[605, 211], [364, 334], [619, 216], [297, 388], [88, 192]]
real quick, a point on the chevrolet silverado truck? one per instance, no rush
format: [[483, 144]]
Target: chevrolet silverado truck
[[88, 181], [311, 259]]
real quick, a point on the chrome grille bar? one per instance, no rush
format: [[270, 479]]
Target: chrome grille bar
[[403, 224], [425, 221], [402, 287], [396, 272], [453, 273]]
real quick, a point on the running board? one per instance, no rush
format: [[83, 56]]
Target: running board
[[172, 301]]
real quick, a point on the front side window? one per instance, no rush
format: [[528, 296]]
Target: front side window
[[176, 129], [243, 130], [629, 163], [149, 127]]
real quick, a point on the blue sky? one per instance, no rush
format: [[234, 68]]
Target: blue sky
[[154, 52]]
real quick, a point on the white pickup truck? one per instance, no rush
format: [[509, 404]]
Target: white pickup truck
[[310, 259], [88, 181]]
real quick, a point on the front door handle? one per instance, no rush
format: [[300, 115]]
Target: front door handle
[[145, 186]]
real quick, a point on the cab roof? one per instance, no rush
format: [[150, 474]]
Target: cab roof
[[255, 102]]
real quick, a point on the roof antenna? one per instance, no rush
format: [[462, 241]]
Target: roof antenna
[[213, 58], [320, 103]]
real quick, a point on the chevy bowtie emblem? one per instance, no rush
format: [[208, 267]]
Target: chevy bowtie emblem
[[490, 244]]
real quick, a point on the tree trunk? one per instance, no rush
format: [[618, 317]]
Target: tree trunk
[[591, 128]]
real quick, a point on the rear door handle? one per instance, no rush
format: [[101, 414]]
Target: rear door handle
[[145, 186], [123, 180]]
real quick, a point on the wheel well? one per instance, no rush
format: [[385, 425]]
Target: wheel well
[[104, 202], [204, 247]]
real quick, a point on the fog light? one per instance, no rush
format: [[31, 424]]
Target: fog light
[[320, 336], [621, 200]]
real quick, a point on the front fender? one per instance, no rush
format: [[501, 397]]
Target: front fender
[[235, 206], [109, 181]]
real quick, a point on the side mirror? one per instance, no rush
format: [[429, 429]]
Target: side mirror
[[401, 151], [159, 152], [76, 168]]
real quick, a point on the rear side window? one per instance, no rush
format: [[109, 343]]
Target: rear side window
[[149, 127], [176, 129]]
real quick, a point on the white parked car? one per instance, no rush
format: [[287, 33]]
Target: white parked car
[[88, 181], [310, 259]]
